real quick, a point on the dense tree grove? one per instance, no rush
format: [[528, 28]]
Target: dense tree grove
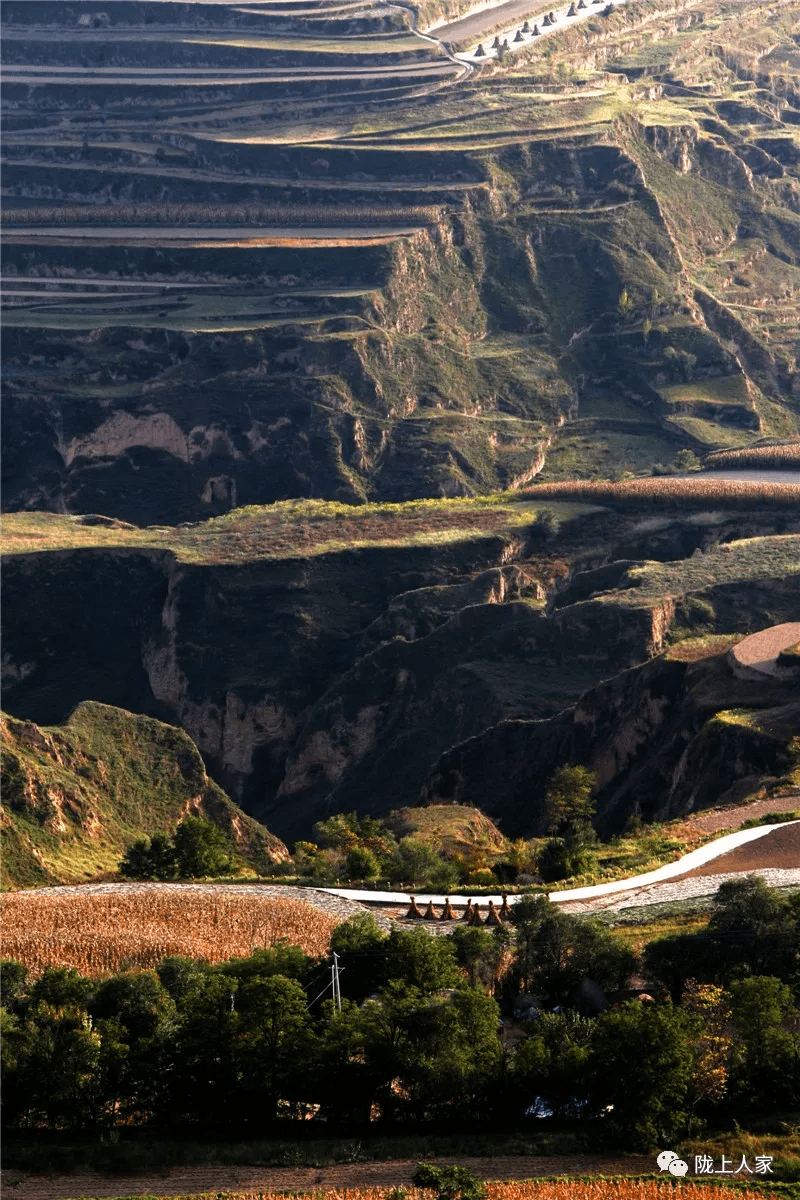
[[420, 1037], [197, 848]]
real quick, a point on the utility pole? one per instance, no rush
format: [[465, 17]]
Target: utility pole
[[337, 995]]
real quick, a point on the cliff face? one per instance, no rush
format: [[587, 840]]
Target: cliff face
[[340, 680], [661, 737]]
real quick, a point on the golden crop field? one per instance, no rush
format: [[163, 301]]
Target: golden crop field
[[531, 1189], [680, 490], [99, 933], [787, 456]]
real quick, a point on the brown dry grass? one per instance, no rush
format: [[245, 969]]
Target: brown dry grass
[[103, 933]]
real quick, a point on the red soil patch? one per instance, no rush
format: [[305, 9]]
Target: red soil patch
[[764, 647]]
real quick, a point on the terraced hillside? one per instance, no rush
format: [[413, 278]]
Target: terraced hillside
[[301, 249]]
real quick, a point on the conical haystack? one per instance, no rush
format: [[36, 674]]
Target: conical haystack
[[476, 918], [447, 911], [430, 913], [467, 912], [493, 916], [505, 908], [572, 11], [496, 44], [480, 52], [536, 31], [518, 36], [414, 913]]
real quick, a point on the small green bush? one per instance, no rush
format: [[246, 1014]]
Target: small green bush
[[449, 1183]]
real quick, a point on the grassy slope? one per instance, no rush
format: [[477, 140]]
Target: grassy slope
[[76, 795], [451, 828], [293, 528]]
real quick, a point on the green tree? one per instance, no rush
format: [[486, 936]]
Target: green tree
[[61, 987], [361, 863], [361, 946], [431, 1055], [15, 1091], [345, 1080], [568, 800], [149, 859], [569, 809], [687, 460], [13, 984], [552, 1063], [201, 849], [136, 999], [136, 1018], [475, 951], [179, 974], [556, 951], [274, 1046], [281, 959], [56, 1053], [641, 1063], [421, 961], [767, 1054], [415, 863], [204, 1058], [344, 831], [755, 929]]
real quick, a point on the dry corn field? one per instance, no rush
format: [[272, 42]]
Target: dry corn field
[[787, 456], [547, 1189], [682, 490], [103, 933]]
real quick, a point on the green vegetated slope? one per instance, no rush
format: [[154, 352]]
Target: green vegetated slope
[[76, 795], [252, 257], [325, 662]]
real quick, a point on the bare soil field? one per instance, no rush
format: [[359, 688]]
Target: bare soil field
[[191, 1180], [780, 849]]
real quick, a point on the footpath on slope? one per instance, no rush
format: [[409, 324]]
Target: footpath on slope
[[177, 1181]]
